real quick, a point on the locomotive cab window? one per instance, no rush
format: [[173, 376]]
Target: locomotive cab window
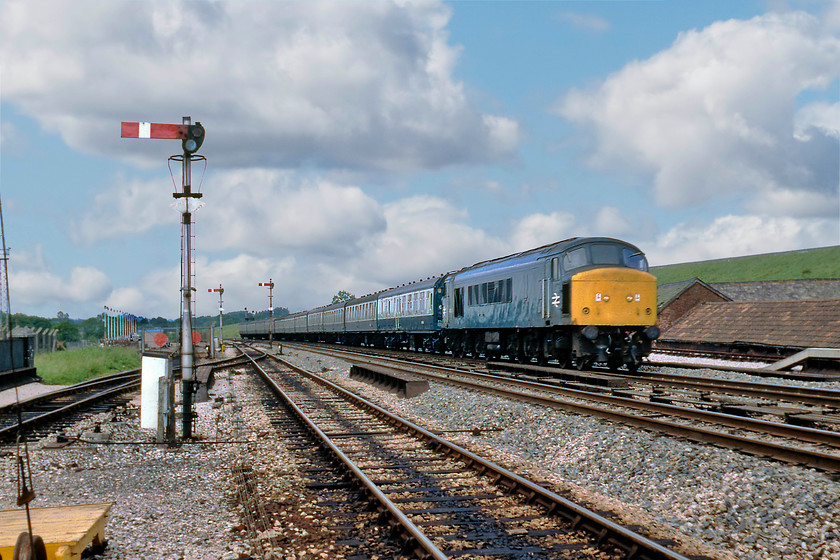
[[635, 259], [605, 254], [575, 258]]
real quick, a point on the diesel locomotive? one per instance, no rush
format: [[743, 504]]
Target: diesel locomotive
[[577, 301]]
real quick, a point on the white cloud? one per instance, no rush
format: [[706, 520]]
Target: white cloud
[[735, 235], [338, 240], [130, 300], [268, 212], [611, 222], [34, 286], [239, 276], [538, 229], [340, 84], [128, 207], [714, 114], [260, 210], [825, 117], [425, 236], [793, 203]]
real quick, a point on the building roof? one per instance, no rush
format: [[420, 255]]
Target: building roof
[[781, 290], [667, 293], [803, 324]]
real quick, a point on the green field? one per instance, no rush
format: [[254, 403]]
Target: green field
[[74, 366], [790, 265], [230, 331]]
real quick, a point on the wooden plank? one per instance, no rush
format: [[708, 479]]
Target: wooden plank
[[66, 530]]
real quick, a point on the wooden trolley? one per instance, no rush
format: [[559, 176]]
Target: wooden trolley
[[66, 530]]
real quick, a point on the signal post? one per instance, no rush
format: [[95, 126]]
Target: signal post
[[191, 136]]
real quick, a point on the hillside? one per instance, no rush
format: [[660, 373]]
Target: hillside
[[823, 262]]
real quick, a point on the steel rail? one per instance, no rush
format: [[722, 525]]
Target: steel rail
[[799, 433], [57, 412], [71, 390], [790, 393], [785, 453], [634, 545], [410, 529]]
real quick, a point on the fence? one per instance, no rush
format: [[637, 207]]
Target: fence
[[43, 339]]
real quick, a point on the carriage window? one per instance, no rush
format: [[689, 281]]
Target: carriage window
[[459, 302], [555, 268]]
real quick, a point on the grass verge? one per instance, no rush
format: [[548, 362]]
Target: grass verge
[[75, 366], [823, 262]]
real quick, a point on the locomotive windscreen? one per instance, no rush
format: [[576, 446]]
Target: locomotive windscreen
[[604, 254]]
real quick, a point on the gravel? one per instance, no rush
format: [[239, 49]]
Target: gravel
[[167, 503], [180, 503], [715, 501]]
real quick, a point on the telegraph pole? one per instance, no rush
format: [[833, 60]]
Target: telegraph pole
[[191, 136]]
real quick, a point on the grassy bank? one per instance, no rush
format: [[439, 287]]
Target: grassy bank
[[823, 262], [75, 366]]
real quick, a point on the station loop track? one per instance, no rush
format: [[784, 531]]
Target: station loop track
[[436, 472], [798, 445], [59, 404]]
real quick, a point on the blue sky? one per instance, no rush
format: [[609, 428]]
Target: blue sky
[[357, 145]]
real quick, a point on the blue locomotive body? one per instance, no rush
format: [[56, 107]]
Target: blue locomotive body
[[580, 300]]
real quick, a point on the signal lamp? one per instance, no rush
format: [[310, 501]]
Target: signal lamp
[[194, 138]]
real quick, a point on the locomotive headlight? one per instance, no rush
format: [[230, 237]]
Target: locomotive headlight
[[606, 297], [629, 298]]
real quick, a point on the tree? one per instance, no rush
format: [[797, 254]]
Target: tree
[[342, 296], [67, 331], [91, 329]]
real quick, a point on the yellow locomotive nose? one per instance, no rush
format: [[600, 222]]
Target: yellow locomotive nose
[[591, 303]]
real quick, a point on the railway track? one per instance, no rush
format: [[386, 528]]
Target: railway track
[[795, 404], [800, 445], [48, 412], [437, 499]]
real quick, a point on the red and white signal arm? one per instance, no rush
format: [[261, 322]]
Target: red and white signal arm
[[153, 130], [190, 135]]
